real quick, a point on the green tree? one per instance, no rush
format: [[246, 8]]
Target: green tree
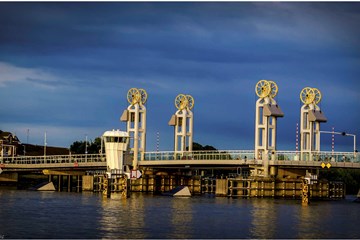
[[199, 147], [351, 178], [79, 147]]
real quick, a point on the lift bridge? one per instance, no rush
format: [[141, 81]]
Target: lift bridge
[[264, 156], [166, 159]]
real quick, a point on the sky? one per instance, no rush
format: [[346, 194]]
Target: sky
[[66, 68]]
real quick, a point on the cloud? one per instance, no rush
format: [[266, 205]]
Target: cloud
[[12, 74], [90, 54]]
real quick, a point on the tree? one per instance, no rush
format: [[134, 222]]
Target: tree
[[79, 147], [199, 147], [351, 178]]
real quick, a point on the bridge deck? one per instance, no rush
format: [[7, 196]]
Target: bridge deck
[[225, 158]]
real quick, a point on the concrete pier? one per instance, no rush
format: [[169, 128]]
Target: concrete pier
[[229, 187]]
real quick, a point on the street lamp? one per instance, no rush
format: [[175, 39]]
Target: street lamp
[[86, 148], [343, 134], [45, 143]]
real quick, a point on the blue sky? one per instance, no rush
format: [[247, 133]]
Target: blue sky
[[65, 68]]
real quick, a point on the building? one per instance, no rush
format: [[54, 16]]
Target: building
[[9, 144]]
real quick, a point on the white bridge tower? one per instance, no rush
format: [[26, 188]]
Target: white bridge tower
[[267, 111], [135, 116], [310, 119], [183, 123]]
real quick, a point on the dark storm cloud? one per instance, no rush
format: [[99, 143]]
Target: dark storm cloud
[[85, 56]]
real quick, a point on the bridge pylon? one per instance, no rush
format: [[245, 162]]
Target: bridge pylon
[[310, 119], [267, 112], [183, 123], [135, 116]]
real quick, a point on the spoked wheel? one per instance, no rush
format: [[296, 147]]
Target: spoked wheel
[[190, 101], [273, 89], [317, 94], [143, 95], [307, 95], [262, 88], [133, 96], [181, 101]]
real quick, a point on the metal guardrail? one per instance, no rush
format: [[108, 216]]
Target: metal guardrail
[[54, 159], [249, 155], [323, 156], [200, 155], [291, 157]]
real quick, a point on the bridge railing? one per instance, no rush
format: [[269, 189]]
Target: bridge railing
[[194, 155], [53, 159], [200, 155], [323, 156]]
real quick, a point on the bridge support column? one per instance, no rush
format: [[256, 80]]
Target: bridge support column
[[135, 116], [310, 119], [78, 183], [183, 124], [87, 183], [266, 163], [59, 182], [267, 112], [69, 178]]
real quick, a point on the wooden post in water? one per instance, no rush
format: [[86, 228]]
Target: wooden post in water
[[59, 181], [69, 183], [78, 183]]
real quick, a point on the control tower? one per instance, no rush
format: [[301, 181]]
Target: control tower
[[116, 143]]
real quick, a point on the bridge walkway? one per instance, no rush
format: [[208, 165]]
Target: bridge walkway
[[187, 159]]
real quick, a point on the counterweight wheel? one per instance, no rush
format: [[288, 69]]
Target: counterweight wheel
[[317, 95], [181, 101], [143, 95], [273, 89], [262, 88], [133, 96], [190, 101], [307, 95]]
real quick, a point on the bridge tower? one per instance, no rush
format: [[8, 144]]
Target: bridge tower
[[135, 116], [310, 119], [267, 112], [183, 121]]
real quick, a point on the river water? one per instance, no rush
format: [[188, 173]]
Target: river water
[[31, 214]]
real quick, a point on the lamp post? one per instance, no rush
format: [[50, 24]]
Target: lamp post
[[86, 148], [343, 134], [45, 145]]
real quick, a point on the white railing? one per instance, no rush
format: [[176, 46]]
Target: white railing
[[323, 156], [200, 155], [54, 159], [249, 155], [346, 157]]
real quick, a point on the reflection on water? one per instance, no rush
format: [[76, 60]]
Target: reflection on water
[[263, 219], [25, 214], [306, 218], [121, 216], [181, 217]]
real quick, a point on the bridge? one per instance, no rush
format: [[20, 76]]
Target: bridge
[[165, 159]]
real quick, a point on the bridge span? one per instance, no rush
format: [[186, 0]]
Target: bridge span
[[166, 159]]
